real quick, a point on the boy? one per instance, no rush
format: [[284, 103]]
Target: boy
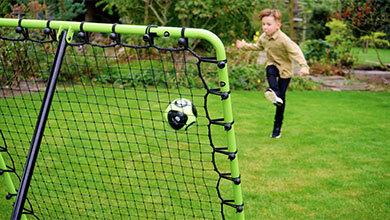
[[280, 50]]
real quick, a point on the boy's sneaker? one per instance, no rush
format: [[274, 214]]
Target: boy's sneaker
[[277, 132], [272, 97]]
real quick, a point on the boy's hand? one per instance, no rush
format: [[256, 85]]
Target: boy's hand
[[303, 74], [304, 70], [238, 44]]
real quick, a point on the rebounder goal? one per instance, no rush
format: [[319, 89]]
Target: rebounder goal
[[87, 127]]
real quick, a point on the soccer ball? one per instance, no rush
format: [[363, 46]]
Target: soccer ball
[[180, 114]]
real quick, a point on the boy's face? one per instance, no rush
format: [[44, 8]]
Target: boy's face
[[269, 25]]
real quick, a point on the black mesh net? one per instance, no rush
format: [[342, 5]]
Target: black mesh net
[[108, 150]]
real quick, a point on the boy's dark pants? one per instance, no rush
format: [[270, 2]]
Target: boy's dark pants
[[279, 85]]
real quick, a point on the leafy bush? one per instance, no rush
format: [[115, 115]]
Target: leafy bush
[[302, 83], [133, 78], [77, 66], [217, 16], [147, 76], [340, 36], [61, 10], [317, 21], [375, 40], [316, 50], [250, 77], [253, 77], [346, 61], [22, 60], [15, 65], [365, 17], [238, 57]]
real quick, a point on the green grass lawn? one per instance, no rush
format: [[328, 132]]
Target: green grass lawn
[[332, 162], [365, 58]]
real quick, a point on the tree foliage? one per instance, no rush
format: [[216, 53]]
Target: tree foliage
[[5, 7], [227, 18], [319, 50], [317, 21], [376, 39], [365, 16], [340, 36], [68, 9], [46, 9]]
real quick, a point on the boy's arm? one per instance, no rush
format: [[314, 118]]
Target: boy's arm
[[243, 45], [296, 54]]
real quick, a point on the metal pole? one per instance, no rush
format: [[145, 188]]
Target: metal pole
[[39, 129]]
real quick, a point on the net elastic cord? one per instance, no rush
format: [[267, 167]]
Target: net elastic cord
[[21, 30], [10, 195], [183, 41], [217, 91], [223, 150], [115, 36], [83, 36], [227, 126], [149, 36], [220, 121], [24, 32], [20, 22], [49, 31], [220, 63], [239, 208]]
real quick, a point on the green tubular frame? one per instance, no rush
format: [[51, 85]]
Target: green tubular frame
[[174, 32], [8, 181]]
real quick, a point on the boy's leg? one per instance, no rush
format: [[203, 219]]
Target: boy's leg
[[272, 74], [273, 93], [279, 115]]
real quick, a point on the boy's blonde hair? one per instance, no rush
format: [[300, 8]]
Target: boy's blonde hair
[[271, 12]]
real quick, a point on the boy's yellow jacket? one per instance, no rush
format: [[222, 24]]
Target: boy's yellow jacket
[[281, 50]]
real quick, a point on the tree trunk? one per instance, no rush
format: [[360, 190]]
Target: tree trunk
[[146, 10], [292, 30]]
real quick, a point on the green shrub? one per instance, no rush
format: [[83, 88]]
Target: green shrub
[[346, 61], [303, 83], [316, 25], [129, 78], [77, 66], [340, 36], [21, 60], [253, 77], [316, 50], [249, 77], [147, 77]]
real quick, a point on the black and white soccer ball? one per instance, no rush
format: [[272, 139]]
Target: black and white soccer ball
[[181, 114]]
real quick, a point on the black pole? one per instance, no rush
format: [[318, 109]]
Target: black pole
[[39, 129]]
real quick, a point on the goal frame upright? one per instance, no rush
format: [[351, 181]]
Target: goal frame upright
[[66, 29]]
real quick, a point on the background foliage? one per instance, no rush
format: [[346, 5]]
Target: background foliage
[[228, 18], [316, 24], [44, 9], [328, 32], [365, 16]]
